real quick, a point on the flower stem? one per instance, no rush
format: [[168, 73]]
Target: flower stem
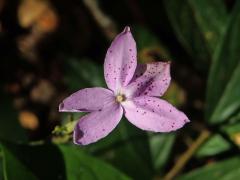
[[104, 22], [186, 156]]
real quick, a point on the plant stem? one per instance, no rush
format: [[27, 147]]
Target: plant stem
[[104, 22], [186, 156]]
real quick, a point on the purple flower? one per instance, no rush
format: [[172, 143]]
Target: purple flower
[[133, 91]]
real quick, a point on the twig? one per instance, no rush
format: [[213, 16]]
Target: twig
[[186, 156], [105, 23]]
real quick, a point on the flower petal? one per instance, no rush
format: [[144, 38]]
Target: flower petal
[[150, 79], [154, 114], [120, 62], [97, 125], [87, 100]]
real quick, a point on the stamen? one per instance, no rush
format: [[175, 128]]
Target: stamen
[[120, 98]]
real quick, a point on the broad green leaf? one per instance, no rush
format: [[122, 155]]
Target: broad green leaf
[[83, 73], [235, 117], [10, 128], [224, 79], [224, 170], [127, 148], [217, 144], [81, 166], [233, 131], [54, 162], [198, 24], [213, 146], [13, 168], [160, 147]]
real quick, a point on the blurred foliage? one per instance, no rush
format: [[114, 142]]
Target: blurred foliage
[[1, 163], [149, 47], [160, 147], [88, 69], [199, 25], [66, 162], [49, 49], [226, 170], [223, 83], [213, 146]]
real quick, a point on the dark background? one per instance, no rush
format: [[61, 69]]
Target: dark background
[[51, 48]]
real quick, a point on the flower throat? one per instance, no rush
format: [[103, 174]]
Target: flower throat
[[120, 98]]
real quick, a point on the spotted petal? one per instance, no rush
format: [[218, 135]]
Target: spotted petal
[[150, 79], [120, 62], [87, 100], [97, 125], [154, 114]]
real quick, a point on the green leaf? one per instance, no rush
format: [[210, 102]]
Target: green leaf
[[198, 24], [13, 168], [235, 117], [10, 128], [54, 162], [216, 144], [81, 166], [127, 148], [231, 129], [233, 132], [213, 146], [223, 82], [160, 146], [224, 170], [83, 73]]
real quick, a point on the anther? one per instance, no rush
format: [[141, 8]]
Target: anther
[[120, 98]]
